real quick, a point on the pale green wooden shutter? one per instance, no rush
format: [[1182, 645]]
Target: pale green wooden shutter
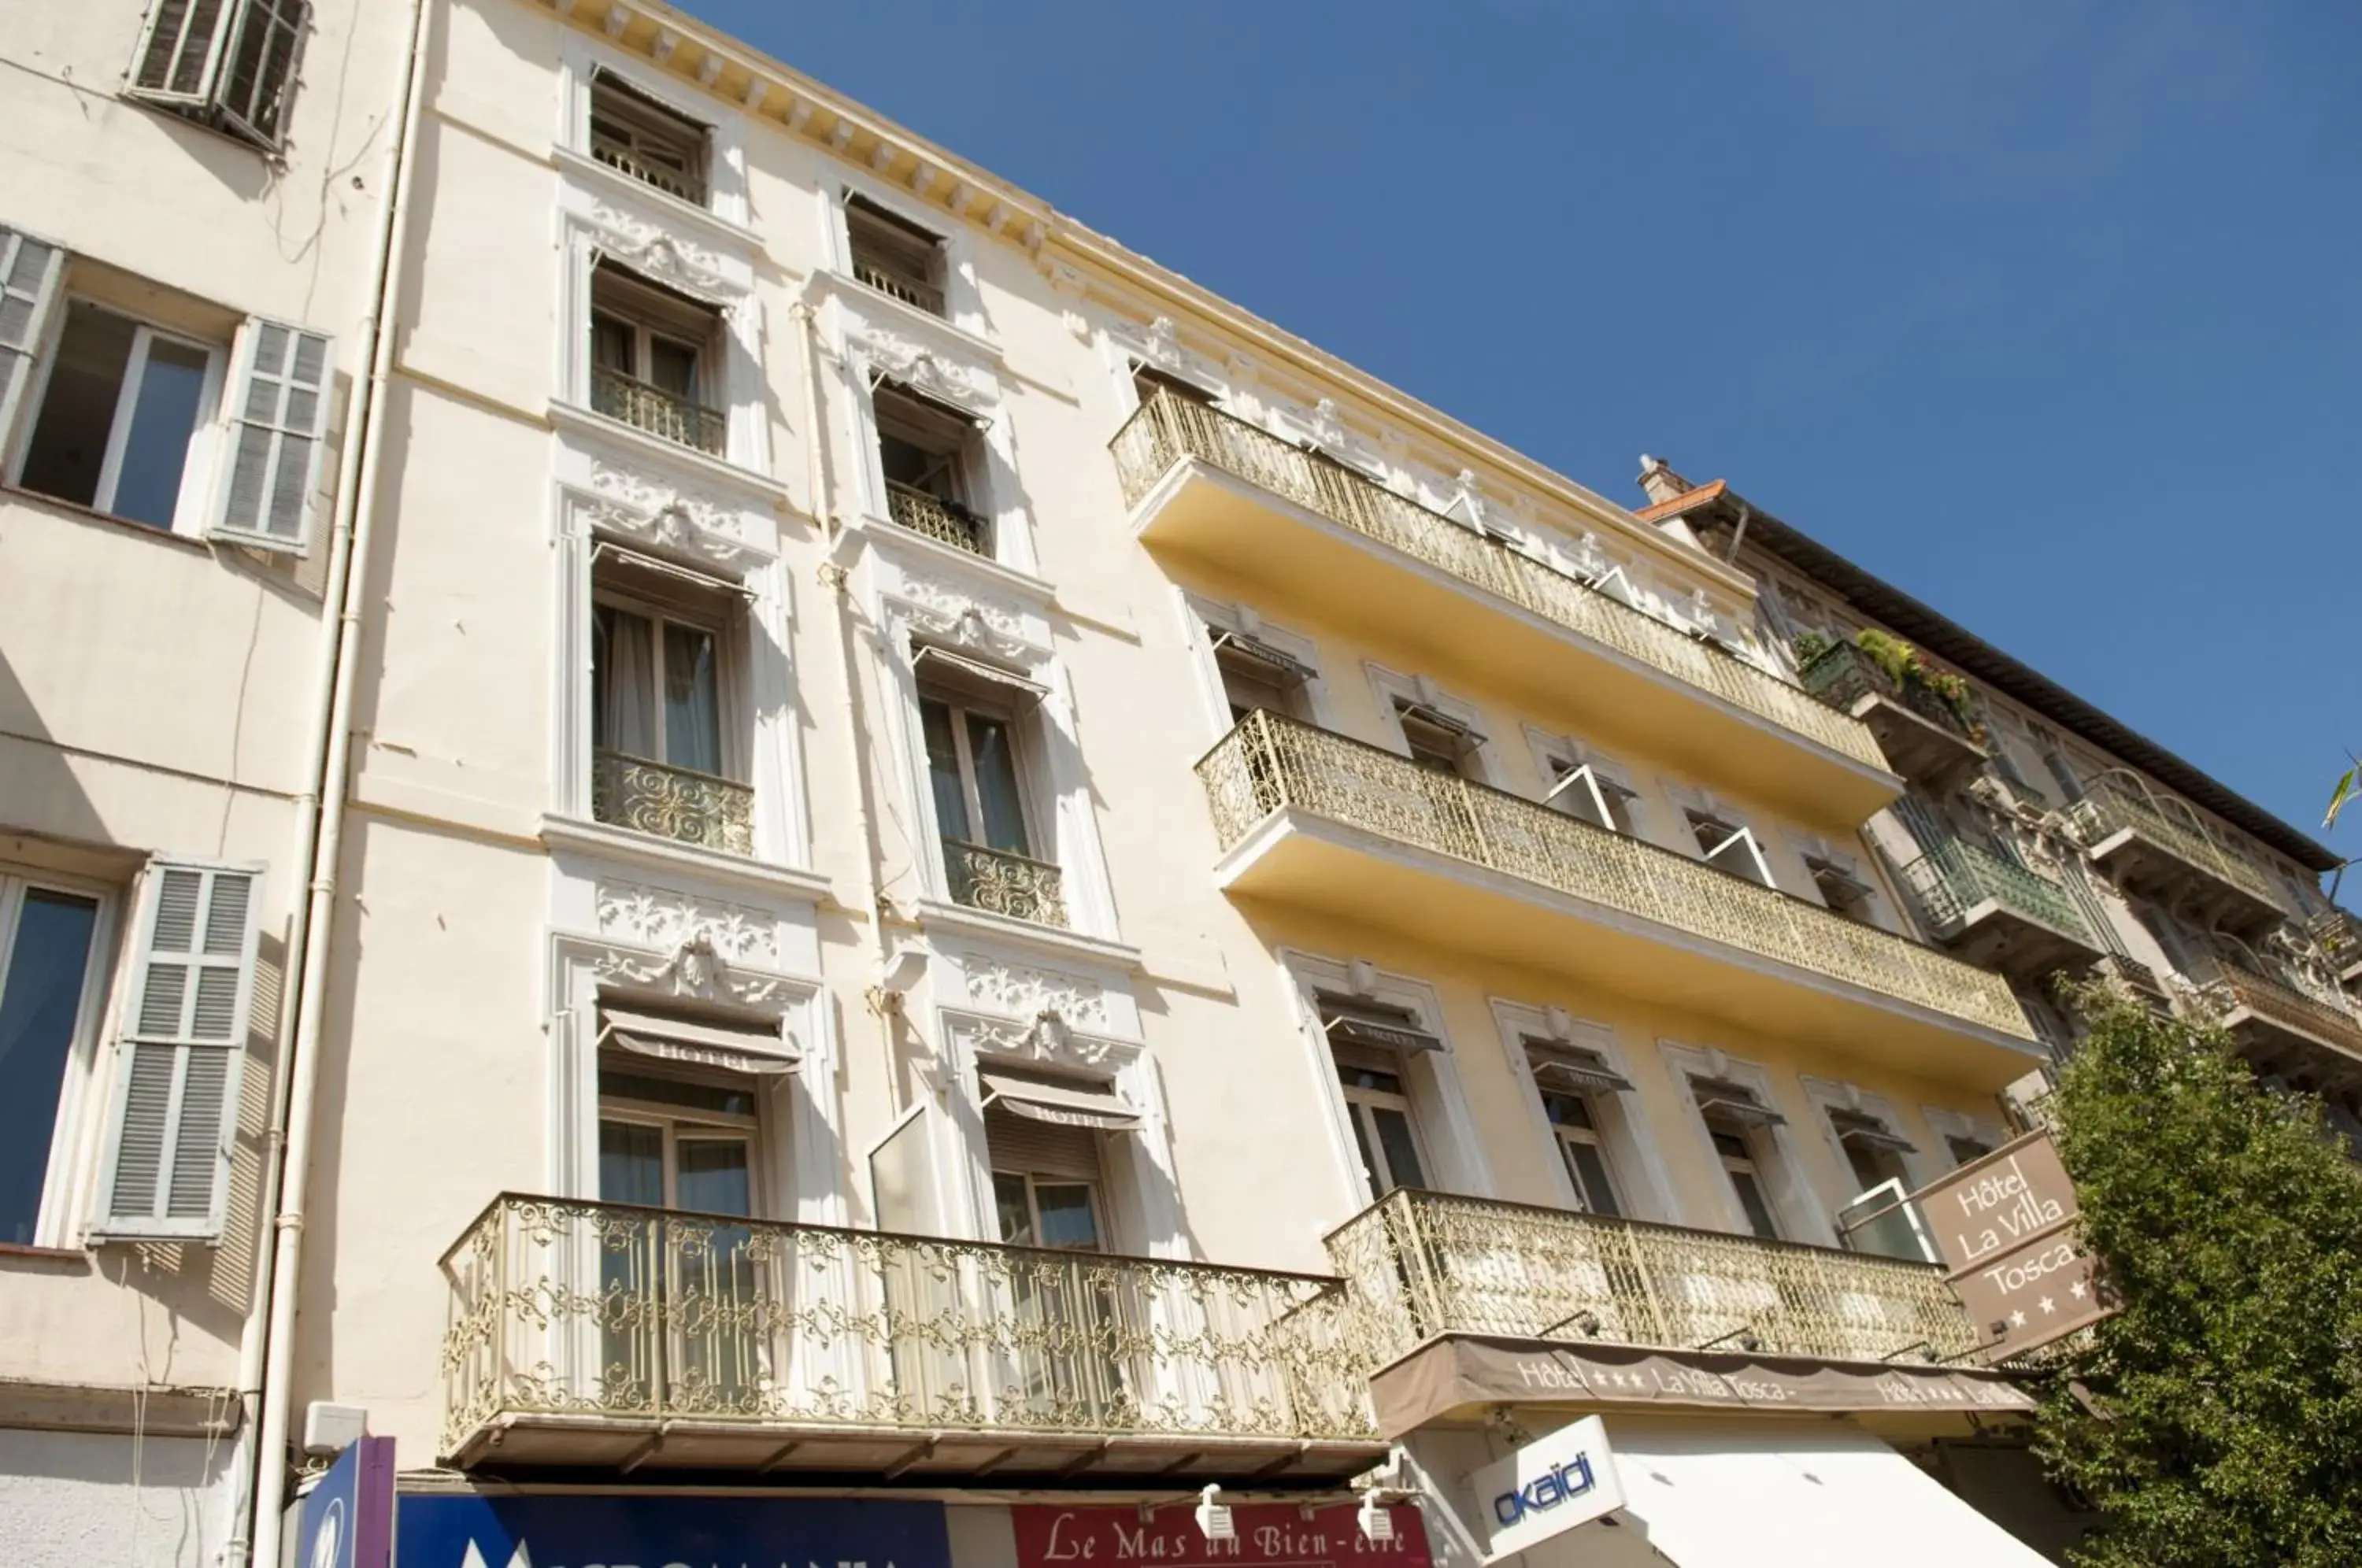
[[30, 270], [279, 417], [180, 50], [182, 1054]]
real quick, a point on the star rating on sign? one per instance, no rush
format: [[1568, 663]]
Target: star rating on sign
[[2017, 1319], [2048, 1307], [2076, 1289]]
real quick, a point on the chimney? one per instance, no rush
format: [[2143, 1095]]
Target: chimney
[[1660, 482]]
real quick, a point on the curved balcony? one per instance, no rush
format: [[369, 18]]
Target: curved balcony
[[1318, 820], [1307, 530], [1421, 1264], [2156, 845], [606, 1335], [1997, 913], [2283, 1018]]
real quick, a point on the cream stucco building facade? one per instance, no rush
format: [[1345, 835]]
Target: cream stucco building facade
[[884, 848]]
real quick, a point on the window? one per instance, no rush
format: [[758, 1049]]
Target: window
[[49, 964], [1575, 1125], [226, 63], [1147, 381], [1872, 1150], [1370, 1043], [1729, 847], [1965, 1150], [632, 132], [895, 256], [676, 1140], [1257, 675], [929, 453], [124, 413], [1437, 739], [1585, 791], [655, 360], [1839, 882], [1737, 1122], [970, 717], [668, 748], [182, 1054]]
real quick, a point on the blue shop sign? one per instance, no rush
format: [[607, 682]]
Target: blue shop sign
[[472, 1531]]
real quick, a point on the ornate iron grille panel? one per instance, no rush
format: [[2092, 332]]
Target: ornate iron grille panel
[[1168, 428], [1955, 877], [1005, 884], [2111, 804], [901, 285], [1269, 762], [947, 522], [672, 802], [603, 1310]]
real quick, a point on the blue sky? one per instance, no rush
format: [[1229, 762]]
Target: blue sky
[[2045, 312]]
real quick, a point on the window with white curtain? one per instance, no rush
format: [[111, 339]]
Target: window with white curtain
[[655, 688]]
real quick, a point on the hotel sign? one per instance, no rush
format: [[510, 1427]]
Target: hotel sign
[[2004, 1226]]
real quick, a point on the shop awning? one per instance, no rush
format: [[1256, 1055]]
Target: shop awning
[[1067, 1103], [1726, 1495], [1460, 1373], [734, 1047]]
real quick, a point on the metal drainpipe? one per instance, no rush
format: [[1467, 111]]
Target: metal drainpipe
[[264, 1357]]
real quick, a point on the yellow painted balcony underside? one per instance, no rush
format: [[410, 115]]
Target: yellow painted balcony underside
[[1311, 533], [1317, 822]]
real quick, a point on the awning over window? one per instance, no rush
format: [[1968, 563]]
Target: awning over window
[[1261, 659], [1065, 1102], [612, 555], [974, 677], [1467, 736], [942, 406], [1721, 1097], [1826, 1496], [734, 1047], [1867, 1131], [1572, 1069], [1378, 1034]]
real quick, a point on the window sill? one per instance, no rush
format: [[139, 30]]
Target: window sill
[[567, 414], [941, 915], [584, 836], [863, 300], [274, 156], [889, 534], [81, 514], [572, 160], [17, 1252]]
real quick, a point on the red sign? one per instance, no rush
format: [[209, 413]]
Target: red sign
[[1270, 1535]]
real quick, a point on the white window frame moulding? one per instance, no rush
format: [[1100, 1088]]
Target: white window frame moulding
[[963, 296], [1390, 688], [608, 491], [685, 947], [1199, 613], [1626, 1141], [998, 1005], [1947, 1124], [1836, 1094], [626, 223], [580, 57], [1856, 861], [866, 346], [1446, 1123], [972, 612], [1793, 1197], [1551, 748]]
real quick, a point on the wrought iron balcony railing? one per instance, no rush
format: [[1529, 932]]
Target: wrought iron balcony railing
[[658, 411], [1169, 428], [1001, 883], [672, 802], [590, 1310], [1422, 1264], [1269, 763], [2339, 933], [2111, 805], [901, 285], [1842, 672], [1955, 877], [2314, 1008], [627, 159], [947, 522]]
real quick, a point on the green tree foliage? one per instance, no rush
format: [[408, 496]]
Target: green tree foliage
[[2218, 1416]]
